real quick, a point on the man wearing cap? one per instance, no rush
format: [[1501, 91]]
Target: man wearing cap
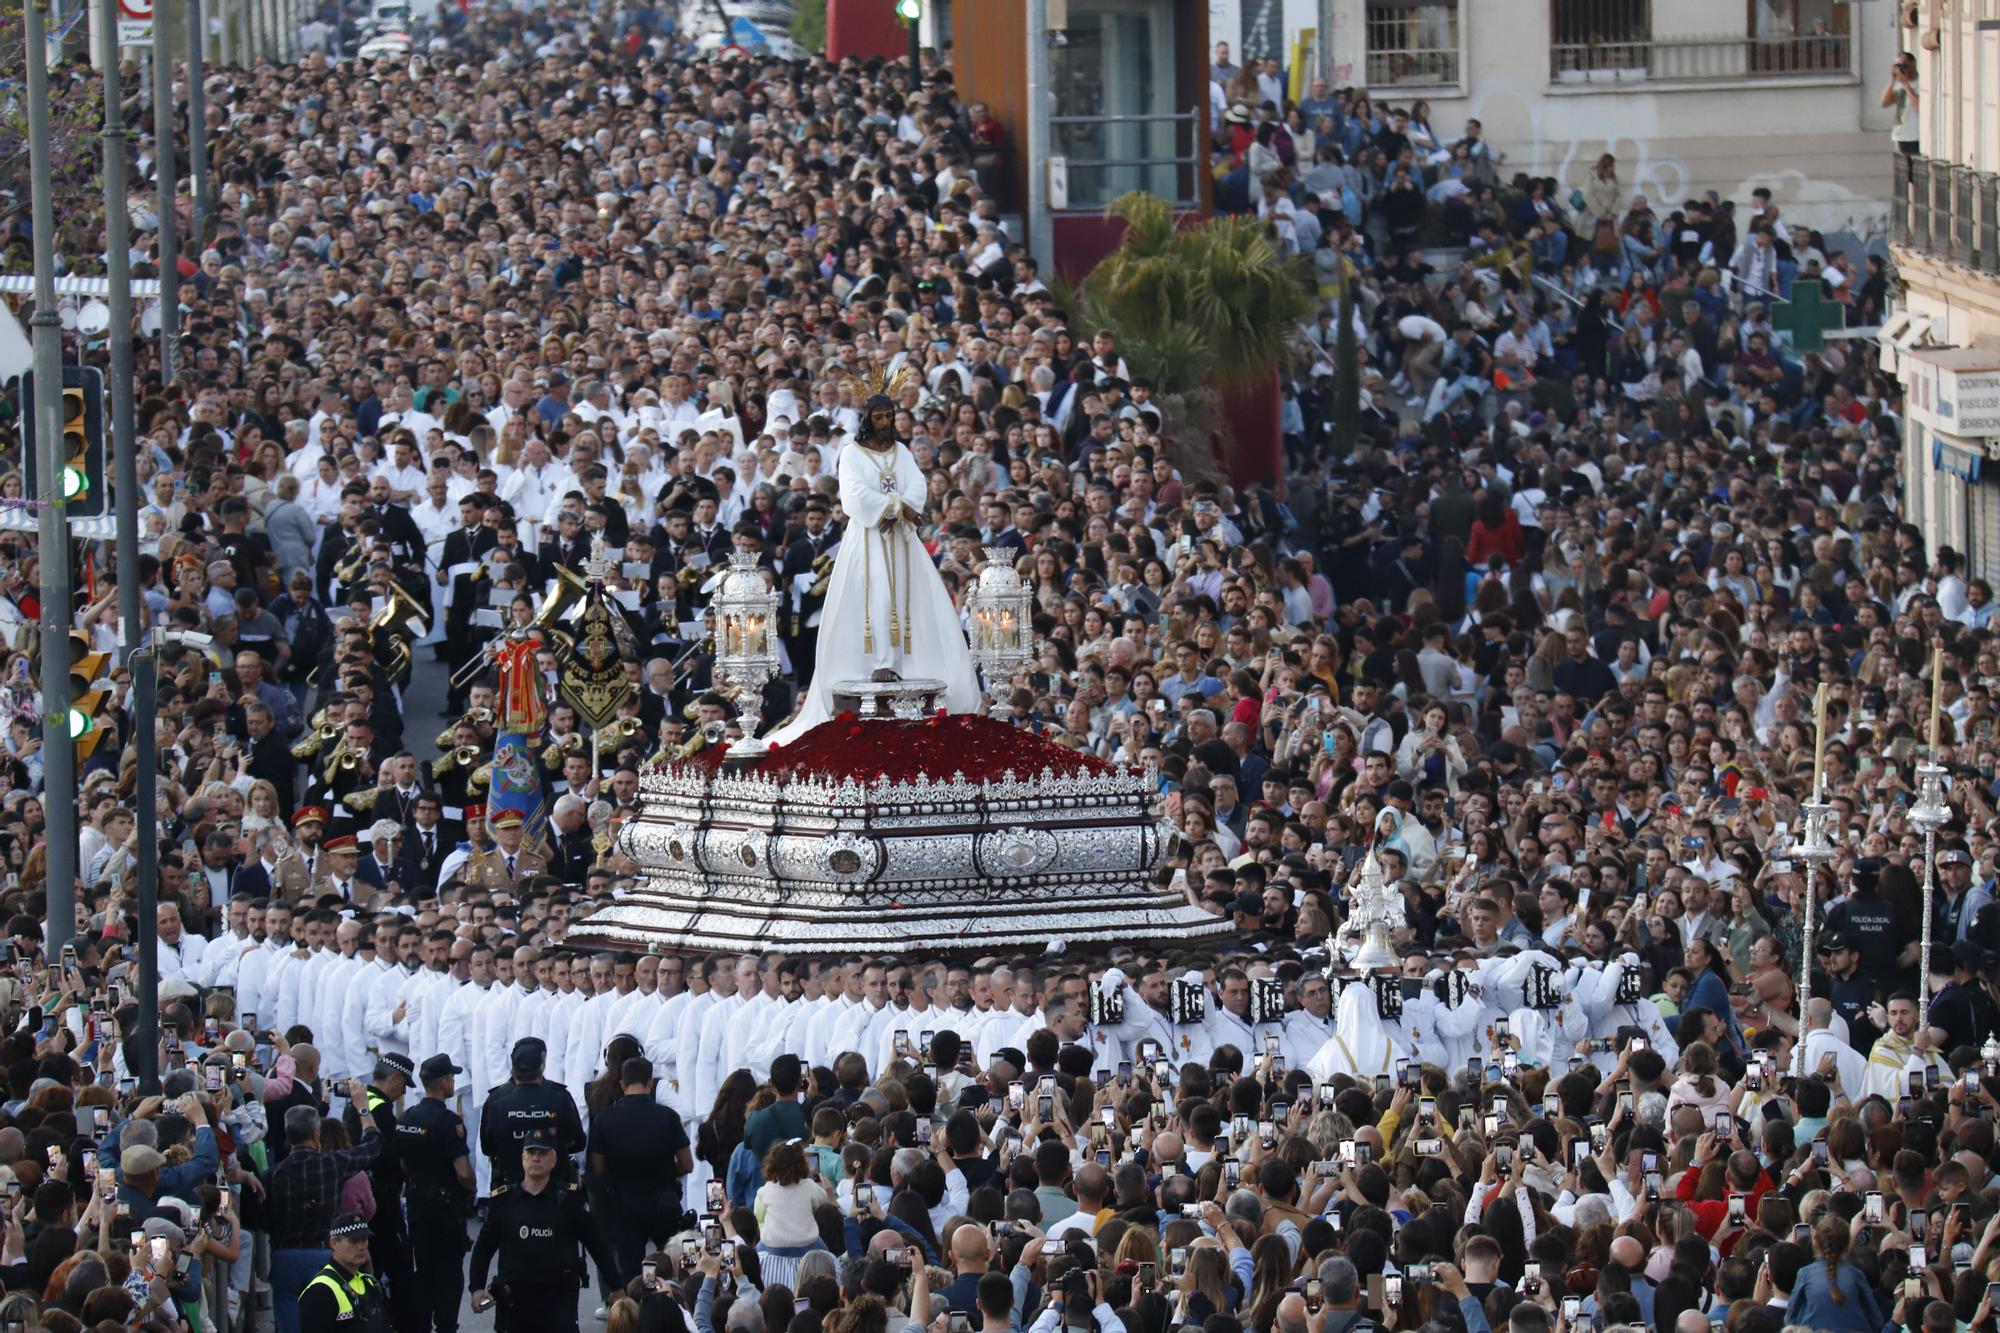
[[1959, 900], [523, 1105], [304, 1191], [296, 874], [1851, 991], [534, 1228], [343, 1295], [508, 862], [390, 1244], [1962, 1012], [437, 1164], [342, 857]]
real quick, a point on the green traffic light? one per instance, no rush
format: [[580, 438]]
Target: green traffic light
[[74, 483], [911, 11], [80, 724]]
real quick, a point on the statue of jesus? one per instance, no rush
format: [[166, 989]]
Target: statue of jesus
[[886, 607]]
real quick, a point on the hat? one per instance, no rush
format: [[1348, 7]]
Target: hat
[[505, 819], [399, 1062], [1238, 114], [543, 1140], [1833, 941], [1952, 856], [164, 1228], [529, 1052], [437, 1067], [139, 1159], [1969, 955], [341, 842], [1248, 902], [348, 1225], [384, 829], [474, 813], [309, 814]]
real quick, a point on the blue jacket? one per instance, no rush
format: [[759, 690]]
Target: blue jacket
[[1813, 1305]]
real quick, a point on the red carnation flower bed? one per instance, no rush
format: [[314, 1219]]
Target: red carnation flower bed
[[967, 743]]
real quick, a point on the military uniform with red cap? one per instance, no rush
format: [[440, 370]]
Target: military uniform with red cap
[[305, 865], [496, 867]]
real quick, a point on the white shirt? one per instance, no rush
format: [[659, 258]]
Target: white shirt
[[182, 958]]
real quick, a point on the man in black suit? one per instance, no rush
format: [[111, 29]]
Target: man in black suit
[[473, 539], [399, 798], [570, 850], [338, 542], [382, 866], [426, 844], [267, 756], [819, 537]]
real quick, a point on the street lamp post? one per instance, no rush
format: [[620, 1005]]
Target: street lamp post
[[145, 688]]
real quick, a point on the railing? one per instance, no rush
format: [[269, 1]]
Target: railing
[[1412, 46], [1946, 211], [1694, 59], [1108, 156]]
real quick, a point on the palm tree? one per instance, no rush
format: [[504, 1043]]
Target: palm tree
[[1196, 309]]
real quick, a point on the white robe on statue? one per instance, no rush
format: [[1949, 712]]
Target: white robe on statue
[[857, 599]]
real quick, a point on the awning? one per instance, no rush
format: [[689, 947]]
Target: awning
[[1957, 458]]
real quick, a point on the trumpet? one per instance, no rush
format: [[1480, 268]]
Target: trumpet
[[315, 739], [822, 575], [624, 728], [562, 749], [478, 717], [462, 757]]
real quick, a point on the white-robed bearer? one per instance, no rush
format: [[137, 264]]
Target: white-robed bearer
[[1901, 1053], [1616, 1008], [1361, 1046]]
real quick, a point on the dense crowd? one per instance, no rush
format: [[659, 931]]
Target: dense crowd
[[1533, 630]]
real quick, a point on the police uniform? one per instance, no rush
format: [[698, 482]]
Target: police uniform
[[430, 1139], [538, 1239], [340, 1299], [388, 1240], [637, 1192], [517, 1110]]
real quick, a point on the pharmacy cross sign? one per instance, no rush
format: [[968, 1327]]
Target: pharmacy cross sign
[[1809, 316]]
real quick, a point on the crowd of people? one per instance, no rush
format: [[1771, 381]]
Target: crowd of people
[[1532, 632]]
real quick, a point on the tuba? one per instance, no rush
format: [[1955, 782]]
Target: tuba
[[348, 568]]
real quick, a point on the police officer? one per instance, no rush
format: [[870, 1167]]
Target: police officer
[[639, 1152], [1850, 989], [535, 1227], [391, 1243], [524, 1104], [437, 1166], [344, 1296]]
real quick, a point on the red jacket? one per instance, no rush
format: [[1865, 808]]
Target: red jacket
[[1506, 541], [1710, 1214]]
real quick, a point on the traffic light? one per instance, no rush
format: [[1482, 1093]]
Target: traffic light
[[80, 480], [85, 703], [910, 11]]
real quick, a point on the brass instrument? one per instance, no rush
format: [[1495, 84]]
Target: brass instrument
[[348, 568], [315, 739], [822, 574], [569, 592], [624, 728], [476, 716], [363, 800], [560, 750], [401, 621], [702, 738], [462, 757], [481, 775]]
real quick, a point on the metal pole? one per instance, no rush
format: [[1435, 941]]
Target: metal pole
[[118, 272], [163, 158], [59, 752], [197, 123], [916, 58], [145, 678], [1035, 151]]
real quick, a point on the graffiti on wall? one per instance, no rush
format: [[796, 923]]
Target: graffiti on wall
[[1559, 146]]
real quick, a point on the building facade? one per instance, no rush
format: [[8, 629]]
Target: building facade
[[1943, 341], [1689, 95]]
